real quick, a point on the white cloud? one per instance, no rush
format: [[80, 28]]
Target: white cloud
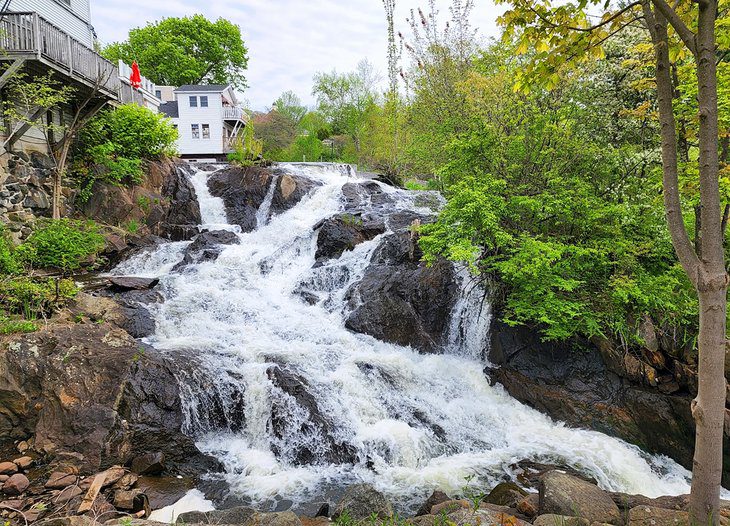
[[288, 40]]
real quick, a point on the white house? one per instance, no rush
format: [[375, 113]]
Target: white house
[[208, 119], [72, 16]]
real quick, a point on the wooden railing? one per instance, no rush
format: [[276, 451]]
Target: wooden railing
[[231, 113], [30, 33]]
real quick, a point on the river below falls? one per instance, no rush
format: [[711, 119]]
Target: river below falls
[[239, 315]]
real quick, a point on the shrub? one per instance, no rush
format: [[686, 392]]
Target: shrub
[[34, 298], [119, 140], [8, 262], [246, 148], [62, 244]]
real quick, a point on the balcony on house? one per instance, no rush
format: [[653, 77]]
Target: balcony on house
[[28, 37], [233, 113]]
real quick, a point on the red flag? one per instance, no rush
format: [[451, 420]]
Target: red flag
[[135, 78]]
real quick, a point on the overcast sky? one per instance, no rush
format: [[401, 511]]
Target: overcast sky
[[288, 40]]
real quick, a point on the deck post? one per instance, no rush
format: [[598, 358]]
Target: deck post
[[70, 54], [37, 38]]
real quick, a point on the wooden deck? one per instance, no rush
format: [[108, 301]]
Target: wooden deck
[[27, 35]]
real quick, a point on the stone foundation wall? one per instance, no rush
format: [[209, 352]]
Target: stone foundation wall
[[26, 186]]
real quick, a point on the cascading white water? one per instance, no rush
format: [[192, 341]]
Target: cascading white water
[[417, 422]]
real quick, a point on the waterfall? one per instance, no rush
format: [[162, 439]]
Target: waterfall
[[294, 404], [262, 215]]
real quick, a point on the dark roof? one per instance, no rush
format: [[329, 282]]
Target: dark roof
[[214, 88], [170, 109]]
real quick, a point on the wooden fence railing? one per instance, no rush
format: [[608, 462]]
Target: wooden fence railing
[[29, 33]]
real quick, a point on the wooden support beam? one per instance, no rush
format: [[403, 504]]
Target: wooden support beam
[[12, 69], [20, 131]]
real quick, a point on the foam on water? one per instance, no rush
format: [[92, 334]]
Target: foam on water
[[418, 422]]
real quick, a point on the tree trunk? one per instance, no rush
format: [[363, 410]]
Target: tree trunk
[[706, 272], [58, 179], [708, 408]]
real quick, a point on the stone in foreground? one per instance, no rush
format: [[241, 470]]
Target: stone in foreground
[[563, 494]]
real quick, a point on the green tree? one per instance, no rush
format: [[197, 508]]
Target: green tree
[[561, 35], [345, 99], [290, 106], [187, 50]]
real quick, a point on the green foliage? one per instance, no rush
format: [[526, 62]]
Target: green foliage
[[10, 326], [62, 244], [566, 213], [34, 298], [31, 92], [187, 50], [247, 149], [345, 99], [8, 261], [113, 146]]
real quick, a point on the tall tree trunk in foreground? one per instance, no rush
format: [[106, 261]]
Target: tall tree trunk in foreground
[[706, 265]]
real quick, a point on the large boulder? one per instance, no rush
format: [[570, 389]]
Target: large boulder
[[362, 501], [578, 383], [165, 203], [245, 189], [563, 494], [343, 232], [207, 246], [89, 391], [235, 515], [402, 300]]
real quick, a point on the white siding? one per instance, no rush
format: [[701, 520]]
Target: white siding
[[74, 19], [211, 115]]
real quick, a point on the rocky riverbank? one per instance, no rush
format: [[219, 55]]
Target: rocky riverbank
[[124, 496]]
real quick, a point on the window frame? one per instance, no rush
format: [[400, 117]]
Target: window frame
[[195, 131], [203, 129], [193, 101], [203, 99]]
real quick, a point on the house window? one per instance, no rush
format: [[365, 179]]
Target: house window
[[193, 102], [196, 131], [158, 93], [203, 101], [206, 131]]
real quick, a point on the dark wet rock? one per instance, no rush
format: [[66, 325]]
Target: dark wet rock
[[563, 494], [362, 501], [343, 232], [236, 515], [183, 215], [437, 497], [92, 393], [573, 382], [125, 283], [505, 494], [324, 510], [367, 194], [207, 246], [164, 491], [148, 464], [244, 189], [400, 299], [321, 446]]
